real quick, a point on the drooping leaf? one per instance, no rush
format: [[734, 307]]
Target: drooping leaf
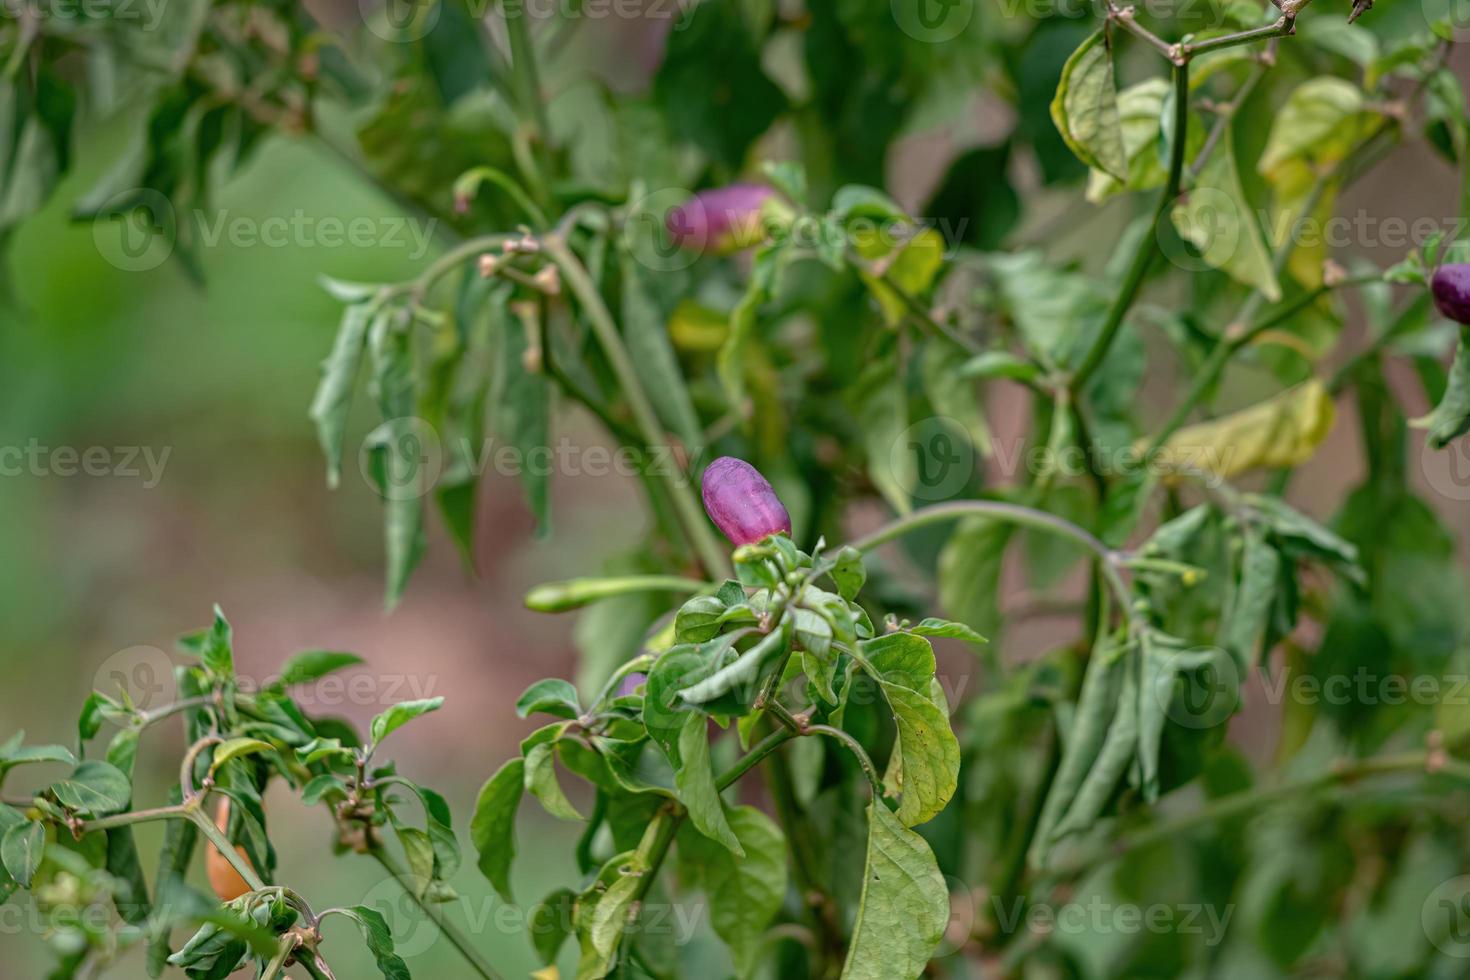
[[904, 906], [333, 400], [542, 783], [695, 779], [1283, 431], [379, 940], [492, 828], [401, 714], [928, 753], [1451, 417], [1085, 108], [21, 850], [1218, 219], [744, 892]]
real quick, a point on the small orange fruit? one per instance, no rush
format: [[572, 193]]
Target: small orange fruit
[[223, 877]]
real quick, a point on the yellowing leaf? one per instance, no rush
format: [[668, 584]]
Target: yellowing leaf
[[912, 270], [1085, 108], [1282, 431], [1320, 123], [695, 327]]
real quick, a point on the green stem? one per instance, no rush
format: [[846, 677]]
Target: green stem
[[222, 844], [1256, 799], [856, 748], [696, 527], [136, 816], [754, 757], [918, 311], [1013, 513], [526, 79], [471, 955], [277, 966], [1284, 25], [1148, 244]]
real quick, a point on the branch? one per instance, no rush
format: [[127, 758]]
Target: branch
[[451, 932]]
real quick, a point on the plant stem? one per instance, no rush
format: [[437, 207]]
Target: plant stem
[[1148, 245], [918, 311], [1283, 25], [526, 79], [135, 816], [222, 844], [277, 966], [856, 748], [1015, 514], [696, 527], [754, 757], [1255, 799], [459, 940]]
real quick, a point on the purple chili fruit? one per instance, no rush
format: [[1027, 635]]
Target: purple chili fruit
[[1451, 289], [741, 502], [722, 220]]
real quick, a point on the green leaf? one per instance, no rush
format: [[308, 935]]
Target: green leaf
[[1218, 219], [1140, 115], [395, 451], [1112, 760], [882, 411], [1249, 612], [664, 710], [21, 850], [521, 410], [1297, 533], [1085, 108], [332, 403], [742, 676], [236, 747], [928, 755], [1000, 364], [849, 573], [1451, 417], [379, 941], [550, 923], [932, 626], [401, 714], [645, 329], [492, 828], [969, 573], [312, 665], [695, 780], [216, 647], [1321, 121], [179, 840], [1161, 655], [904, 659], [552, 696], [94, 788], [542, 783], [31, 754], [904, 905], [744, 893]]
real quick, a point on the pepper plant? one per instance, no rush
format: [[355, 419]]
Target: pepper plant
[[709, 257]]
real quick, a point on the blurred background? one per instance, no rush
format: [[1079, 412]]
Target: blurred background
[[197, 397]]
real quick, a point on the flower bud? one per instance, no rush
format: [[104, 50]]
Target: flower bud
[[721, 221], [1451, 289], [741, 502]]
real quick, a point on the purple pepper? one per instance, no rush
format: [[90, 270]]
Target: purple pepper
[[741, 502], [1451, 289], [722, 220]]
